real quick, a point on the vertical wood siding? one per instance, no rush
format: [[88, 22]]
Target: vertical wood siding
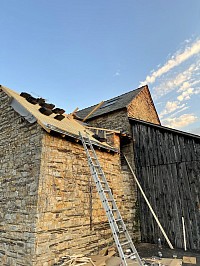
[[168, 167]]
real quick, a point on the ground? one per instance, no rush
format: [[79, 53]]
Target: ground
[[148, 250]]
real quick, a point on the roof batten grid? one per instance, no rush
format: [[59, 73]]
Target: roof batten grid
[[68, 126]]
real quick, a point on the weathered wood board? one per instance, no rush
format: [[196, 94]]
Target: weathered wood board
[[168, 168]]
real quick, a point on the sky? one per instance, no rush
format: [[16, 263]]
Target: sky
[[76, 53]]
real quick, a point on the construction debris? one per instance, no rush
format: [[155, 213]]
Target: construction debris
[[107, 257], [191, 260], [75, 260]]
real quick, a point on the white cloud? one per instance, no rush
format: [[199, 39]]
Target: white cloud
[[175, 60], [117, 74], [181, 121], [176, 84], [179, 111], [185, 95], [181, 81], [171, 107]]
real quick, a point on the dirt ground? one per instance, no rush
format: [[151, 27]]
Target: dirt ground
[[148, 250]]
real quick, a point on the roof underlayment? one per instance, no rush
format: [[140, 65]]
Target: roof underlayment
[[66, 127]]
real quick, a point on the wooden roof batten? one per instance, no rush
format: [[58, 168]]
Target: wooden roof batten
[[68, 126], [93, 110]]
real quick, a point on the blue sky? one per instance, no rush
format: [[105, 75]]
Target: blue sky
[[77, 53]]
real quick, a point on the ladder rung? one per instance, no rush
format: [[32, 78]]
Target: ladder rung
[[132, 254], [125, 243], [106, 190], [96, 165], [118, 220], [122, 231], [110, 200], [114, 210]]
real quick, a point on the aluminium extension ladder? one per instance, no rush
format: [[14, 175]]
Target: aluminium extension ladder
[[121, 236]]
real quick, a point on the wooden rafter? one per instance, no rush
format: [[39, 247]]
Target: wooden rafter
[[93, 110]]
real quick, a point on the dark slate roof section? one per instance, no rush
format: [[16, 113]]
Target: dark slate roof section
[[132, 120], [110, 105]]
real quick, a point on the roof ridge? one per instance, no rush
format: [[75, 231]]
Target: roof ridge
[[112, 98]]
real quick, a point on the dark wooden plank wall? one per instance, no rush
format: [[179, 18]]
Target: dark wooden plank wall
[[168, 167]]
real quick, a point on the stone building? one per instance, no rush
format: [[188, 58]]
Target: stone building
[[116, 112], [167, 163], [48, 205]]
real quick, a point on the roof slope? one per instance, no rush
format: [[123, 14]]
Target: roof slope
[[68, 126], [110, 105]]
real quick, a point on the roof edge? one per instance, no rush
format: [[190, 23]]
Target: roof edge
[[166, 128], [50, 128]]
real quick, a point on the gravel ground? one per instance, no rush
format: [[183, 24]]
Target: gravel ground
[[148, 250]]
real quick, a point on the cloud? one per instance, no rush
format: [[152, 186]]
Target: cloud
[[175, 60], [171, 107], [180, 82], [179, 111], [176, 84], [117, 73], [185, 95], [181, 121]]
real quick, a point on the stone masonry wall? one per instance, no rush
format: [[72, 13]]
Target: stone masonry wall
[[48, 205], [117, 120], [142, 107], [20, 150], [70, 216]]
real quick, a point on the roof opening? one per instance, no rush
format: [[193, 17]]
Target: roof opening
[[108, 103]]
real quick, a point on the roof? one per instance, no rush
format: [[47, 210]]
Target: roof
[[67, 127], [110, 105], [173, 130]]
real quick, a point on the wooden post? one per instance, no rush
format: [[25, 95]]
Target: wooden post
[[184, 235], [149, 205]]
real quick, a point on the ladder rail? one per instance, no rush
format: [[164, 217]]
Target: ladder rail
[[117, 224]]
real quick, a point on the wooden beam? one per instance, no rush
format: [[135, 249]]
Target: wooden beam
[[149, 205], [74, 111], [104, 129], [184, 234], [93, 110]]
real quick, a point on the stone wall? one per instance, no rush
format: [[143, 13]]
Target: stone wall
[[49, 206], [20, 151], [117, 120], [70, 215], [142, 107]]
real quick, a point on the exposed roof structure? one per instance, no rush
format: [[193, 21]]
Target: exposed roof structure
[[67, 126], [110, 105]]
